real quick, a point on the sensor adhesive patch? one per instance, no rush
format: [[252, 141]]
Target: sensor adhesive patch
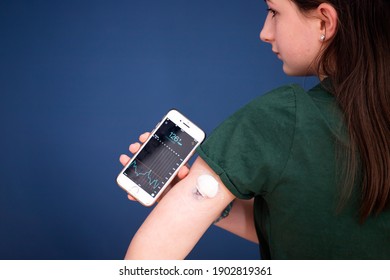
[[207, 186]]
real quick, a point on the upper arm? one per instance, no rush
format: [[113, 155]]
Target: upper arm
[[180, 219]]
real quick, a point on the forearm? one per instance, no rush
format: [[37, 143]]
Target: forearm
[[240, 220]]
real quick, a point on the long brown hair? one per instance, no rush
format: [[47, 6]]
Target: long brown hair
[[357, 60]]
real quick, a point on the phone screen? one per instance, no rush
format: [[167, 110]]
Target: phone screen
[[161, 157]]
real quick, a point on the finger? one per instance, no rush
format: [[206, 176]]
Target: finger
[[124, 159], [133, 148], [131, 198], [183, 172], [143, 137]]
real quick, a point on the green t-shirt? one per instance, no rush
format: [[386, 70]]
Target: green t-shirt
[[281, 150]]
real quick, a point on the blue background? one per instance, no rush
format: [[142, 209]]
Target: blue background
[[80, 80]]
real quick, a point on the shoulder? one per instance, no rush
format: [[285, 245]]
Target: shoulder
[[270, 109], [284, 96], [271, 113]]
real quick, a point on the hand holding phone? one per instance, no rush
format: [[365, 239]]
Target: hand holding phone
[[158, 161]]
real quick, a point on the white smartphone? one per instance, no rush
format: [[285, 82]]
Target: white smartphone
[[153, 167]]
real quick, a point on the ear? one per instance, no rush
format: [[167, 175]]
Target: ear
[[329, 20]]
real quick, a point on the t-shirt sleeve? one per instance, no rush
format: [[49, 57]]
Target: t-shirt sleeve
[[250, 149]]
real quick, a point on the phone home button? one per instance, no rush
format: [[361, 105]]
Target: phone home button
[[134, 190]]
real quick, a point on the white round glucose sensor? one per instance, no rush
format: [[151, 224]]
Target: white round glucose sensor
[[207, 186]]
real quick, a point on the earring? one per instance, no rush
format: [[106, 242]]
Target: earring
[[322, 37]]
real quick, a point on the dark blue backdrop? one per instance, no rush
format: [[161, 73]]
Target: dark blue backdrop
[[80, 80]]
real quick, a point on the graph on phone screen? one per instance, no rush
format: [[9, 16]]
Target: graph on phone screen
[[160, 158], [149, 172], [148, 178]]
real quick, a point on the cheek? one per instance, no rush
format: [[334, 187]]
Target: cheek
[[298, 53], [297, 41]]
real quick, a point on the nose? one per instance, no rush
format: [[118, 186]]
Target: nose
[[266, 34]]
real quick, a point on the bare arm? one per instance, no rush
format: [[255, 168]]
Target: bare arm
[[240, 220], [180, 219]]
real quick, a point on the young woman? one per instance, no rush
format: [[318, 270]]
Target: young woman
[[310, 179]]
